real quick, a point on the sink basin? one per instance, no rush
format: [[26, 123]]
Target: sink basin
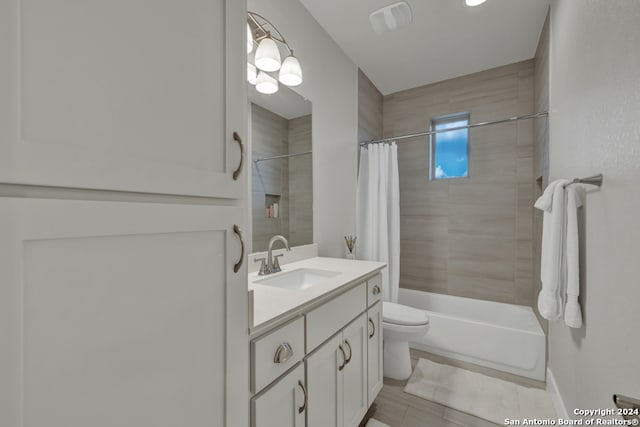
[[300, 279]]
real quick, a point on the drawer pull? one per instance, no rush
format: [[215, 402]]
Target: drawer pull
[[375, 290], [346, 342], [344, 358], [236, 173], [373, 325], [283, 353], [237, 265], [304, 404]]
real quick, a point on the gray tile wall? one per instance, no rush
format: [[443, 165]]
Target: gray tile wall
[[470, 237]]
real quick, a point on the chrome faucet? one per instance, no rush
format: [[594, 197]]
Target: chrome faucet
[[274, 266]]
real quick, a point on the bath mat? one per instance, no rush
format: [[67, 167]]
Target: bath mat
[[485, 397], [375, 423]]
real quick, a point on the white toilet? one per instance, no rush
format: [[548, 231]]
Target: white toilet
[[400, 324]]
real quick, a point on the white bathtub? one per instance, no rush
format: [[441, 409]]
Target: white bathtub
[[501, 336]]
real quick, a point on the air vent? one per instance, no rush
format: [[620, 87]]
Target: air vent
[[391, 17]]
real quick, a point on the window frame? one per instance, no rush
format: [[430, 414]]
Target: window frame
[[438, 120]]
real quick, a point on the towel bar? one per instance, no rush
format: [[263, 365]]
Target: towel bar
[[591, 180]]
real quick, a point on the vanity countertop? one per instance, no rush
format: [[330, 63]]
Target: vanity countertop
[[273, 306]]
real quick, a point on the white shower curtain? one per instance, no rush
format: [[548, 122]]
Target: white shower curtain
[[378, 209]]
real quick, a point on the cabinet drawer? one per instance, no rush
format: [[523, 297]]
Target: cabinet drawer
[[374, 290], [332, 316], [274, 353]]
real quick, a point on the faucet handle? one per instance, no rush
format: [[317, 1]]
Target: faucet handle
[[263, 266], [276, 263]]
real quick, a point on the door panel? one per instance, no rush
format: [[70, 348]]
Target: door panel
[[114, 313], [324, 383], [355, 372], [280, 405], [123, 95], [374, 352]]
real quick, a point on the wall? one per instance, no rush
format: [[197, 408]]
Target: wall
[[330, 83], [300, 182], [469, 237], [540, 152], [270, 137], [369, 109], [594, 128]]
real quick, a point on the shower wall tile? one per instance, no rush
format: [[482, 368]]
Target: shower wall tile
[[369, 109], [471, 237]]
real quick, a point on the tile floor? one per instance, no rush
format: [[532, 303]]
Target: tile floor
[[400, 409]]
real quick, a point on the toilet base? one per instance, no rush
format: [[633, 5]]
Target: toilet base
[[397, 360]]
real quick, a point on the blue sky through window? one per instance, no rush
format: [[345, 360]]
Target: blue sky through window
[[450, 151]]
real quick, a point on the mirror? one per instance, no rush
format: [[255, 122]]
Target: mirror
[[281, 175]]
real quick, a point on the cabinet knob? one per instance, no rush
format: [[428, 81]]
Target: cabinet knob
[[236, 173], [375, 290], [304, 391], [283, 353]]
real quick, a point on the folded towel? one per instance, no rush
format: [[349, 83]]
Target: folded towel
[[552, 202], [572, 312]]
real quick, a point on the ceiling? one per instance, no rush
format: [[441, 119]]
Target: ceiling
[[446, 38]]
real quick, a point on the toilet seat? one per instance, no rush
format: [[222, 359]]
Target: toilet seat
[[398, 314]]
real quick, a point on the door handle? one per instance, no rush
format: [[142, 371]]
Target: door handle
[[304, 391], [237, 265], [236, 173], [344, 358], [373, 325], [346, 342]]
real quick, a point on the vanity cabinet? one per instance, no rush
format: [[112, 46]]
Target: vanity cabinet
[[337, 378], [284, 404], [144, 96], [342, 360]]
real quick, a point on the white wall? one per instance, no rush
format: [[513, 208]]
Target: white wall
[[331, 84], [595, 128]]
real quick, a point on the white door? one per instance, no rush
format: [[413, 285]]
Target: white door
[[123, 95], [113, 314], [284, 404], [324, 384], [355, 372], [374, 352]]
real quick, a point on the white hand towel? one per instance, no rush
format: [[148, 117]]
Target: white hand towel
[[572, 312], [552, 202]]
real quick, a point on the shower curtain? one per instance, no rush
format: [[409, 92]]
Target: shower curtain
[[378, 210]]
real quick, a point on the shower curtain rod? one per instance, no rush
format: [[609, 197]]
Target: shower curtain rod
[[474, 125], [284, 156]]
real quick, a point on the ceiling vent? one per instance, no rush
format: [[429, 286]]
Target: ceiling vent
[[391, 17]]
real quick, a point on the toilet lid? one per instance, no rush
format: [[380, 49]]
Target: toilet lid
[[403, 315]]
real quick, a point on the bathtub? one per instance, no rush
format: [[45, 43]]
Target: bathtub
[[501, 336]]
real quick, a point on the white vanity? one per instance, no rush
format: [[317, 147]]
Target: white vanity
[[315, 343]]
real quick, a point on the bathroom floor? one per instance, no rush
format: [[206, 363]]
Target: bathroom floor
[[399, 409]]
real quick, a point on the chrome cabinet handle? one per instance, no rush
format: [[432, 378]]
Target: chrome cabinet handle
[[373, 325], [237, 265], [346, 342], [283, 353], [236, 173], [375, 290], [344, 358], [304, 391]]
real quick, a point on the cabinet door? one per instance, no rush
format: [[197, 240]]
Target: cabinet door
[[374, 352], [282, 405], [324, 384], [355, 372], [123, 95], [118, 314]]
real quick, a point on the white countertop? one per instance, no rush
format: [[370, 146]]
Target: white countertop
[[271, 305]]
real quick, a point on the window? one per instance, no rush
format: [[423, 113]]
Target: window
[[450, 150]]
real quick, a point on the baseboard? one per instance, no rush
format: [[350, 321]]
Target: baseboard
[[556, 397]]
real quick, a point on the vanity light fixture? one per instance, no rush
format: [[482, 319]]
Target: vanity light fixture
[[474, 2], [267, 57]]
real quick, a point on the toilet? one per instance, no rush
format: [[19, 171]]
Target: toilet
[[400, 324]]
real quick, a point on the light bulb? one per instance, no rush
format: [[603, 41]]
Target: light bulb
[[249, 39], [474, 2], [266, 84], [290, 72], [268, 55], [252, 73]]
